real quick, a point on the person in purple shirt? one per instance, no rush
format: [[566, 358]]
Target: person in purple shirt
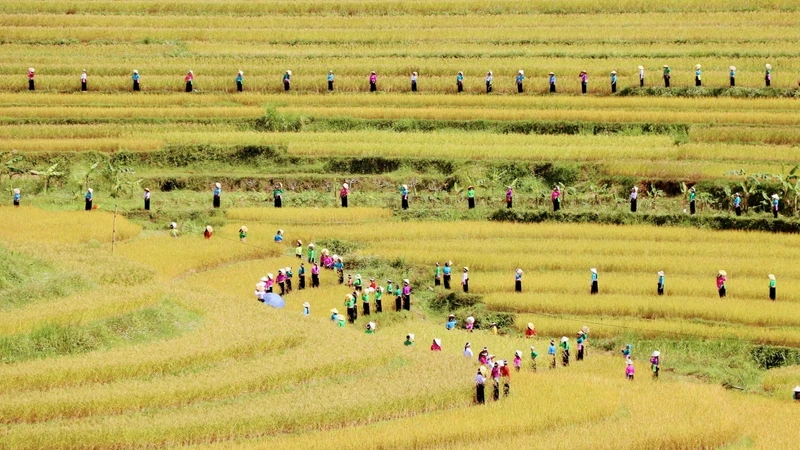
[[406, 295], [315, 275], [509, 197]]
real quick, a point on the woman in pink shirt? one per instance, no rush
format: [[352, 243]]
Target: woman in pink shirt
[[629, 370], [722, 277], [31, 85], [556, 197], [509, 197], [315, 275], [406, 295], [584, 80], [344, 193], [189, 81], [436, 346], [373, 82], [282, 281]]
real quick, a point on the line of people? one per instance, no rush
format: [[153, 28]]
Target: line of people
[[519, 80]]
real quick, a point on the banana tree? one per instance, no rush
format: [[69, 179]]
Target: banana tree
[[47, 175]]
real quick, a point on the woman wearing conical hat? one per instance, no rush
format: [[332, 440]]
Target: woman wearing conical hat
[[641, 76], [520, 79], [217, 194], [189, 79], [465, 280], [667, 75], [722, 277], [698, 76], [733, 76], [772, 283], [661, 283], [768, 74], [518, 281], [240, 81], [595, 287], [287, 80], [17, 197], [613, 81]]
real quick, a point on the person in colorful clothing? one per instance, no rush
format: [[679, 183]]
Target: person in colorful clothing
[[358, 283], [404, 196], [17, 197], [301, 276], [378, 299], [518, 281], [661, 283], [306, 309], [722, 277], [89, 197], [496, 381], [240, 81], [733, 76], [270, 281], [189, 79], [446, 273], [768, 74], [775, 201], [344, 193], [480, 388], [468, 350], [340, 321], [584, 81], [595, 288], [287, 80], [315, 276], [613, 81], [277, 195], [406, 295], [667, 75], [692, 197], [298, 249], [243, 234], [278, 237], [534, 355], [698, 74], [217, 194], [552, 82], [451, 323], [365, 302], [436, 346], [289, 275], [281, 280], [520, 79], [471, 197], [483, 356], [626, 351], [311, 254], [350, 304], [334, 314], [398, 298], [31, 82], [551, 352], [655, 363], [641, 76], [174, 228], [330, 80], [409, 342], [259, 293], [564, 351], [556, 198], [146, 198], [505, 377], [373, 82], [460, 81], [136, 81], [338, 265], [629, 370], [413, 81], [437, 275], [772, 283], [530, 331], [579, 345], [84, 85], [489, 82], [509, 197], [518, 360], [737, 204], [469, 324], [370, 329], [465, 280]]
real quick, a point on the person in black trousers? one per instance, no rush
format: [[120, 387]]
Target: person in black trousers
[[84, 87], [135, 77], [344, 193], [404, 196], [301, 277], [595, 288], [146, 199], [217, 194], [634, 198], [89, 197], [661, 283], [240, 81], [772, 283], [413, 81], [31, 83], [480, 388]]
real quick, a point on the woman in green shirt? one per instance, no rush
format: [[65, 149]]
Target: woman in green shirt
[[772, 287], [667, 75], [277, 195], [471, 197], [409, 340], [379, 299], [692, 196]]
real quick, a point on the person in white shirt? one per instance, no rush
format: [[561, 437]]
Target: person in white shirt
[[480, 385], [634, 195], [83, 81], [468, 350], [465, 280], [146, 197], [413, 81], [641, 76]]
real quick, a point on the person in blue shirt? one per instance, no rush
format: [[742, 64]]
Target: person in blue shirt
[[595, 288], [446, 272], [338, 265], [460, 81], [552, 82], [240, 81], [306, 309], [661, 283], [279, 236], [404, 196], [775, 200], [330, 80], [451, 322], [17, 197], [217, 194], [613, 81], [733, 76], [135, 77], [89, 197], [518, 281], [626, 352], [551, 351], [520, 79], [301, 278], [697, 76], [737, 204], [334, 313]]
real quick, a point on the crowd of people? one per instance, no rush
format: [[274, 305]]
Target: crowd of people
[[414, 79]]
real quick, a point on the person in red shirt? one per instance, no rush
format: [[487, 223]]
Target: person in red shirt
[[505, 377], [344, 193], [530, 331], [209, 232], [437, 345]]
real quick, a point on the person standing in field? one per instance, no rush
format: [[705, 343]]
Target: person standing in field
[[446, 273], [437, 275], [281, 280], [775, 200], [772, 283], [551, 351], [667, 75], [626, 351], [404, 196], [737, 204], [505, 377], [722, 277], [634, 197], [17, 197], [358, 283], [468, 350], [289, 275], [240, 81], [344, 193], [552, 82], [406, 295], [338, 265], [613, 81], [84, 86], [733, 76], [301, 277], [661, 283], [173, 226], [365, 310], [277, 195], [629, 370], [306, 309], [480, 388], [556, 198], [209, 231], [465, 280], [698, 74], [534, 355], [520, 79], [330, 80], [350, 304], [584, 80], [518, 360], [89, 197], [315, 275], [564, 351], [146, 197], [312, 258], [287, 80], [398, 298], [136, 78], [509, 197], [768, 74], [31, 82], [298, 249], [595, 288], [413, 81], [518, 281], [379, 299], [496, 381], [217, 194], [641, 76], [460, 81], [692, 197], [489, 82], [471, 197], [189, 79], [373, 82], [579, 344], [655, 363]]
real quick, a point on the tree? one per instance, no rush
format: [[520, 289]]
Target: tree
[[47, 174]]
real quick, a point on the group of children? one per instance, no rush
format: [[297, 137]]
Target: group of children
[[519, 79]]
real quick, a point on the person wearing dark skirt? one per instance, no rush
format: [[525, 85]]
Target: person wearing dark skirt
[[692, 204], [301, 277], [315, 276], [406, 295], [289, 274], [373, 82], [189, 79], [338, 265], [350, 304], [584, 81], [733, 76], [136, 78], [84, 86], [737, 204], [398, 298], [240, 81], [465, 280], [277, 195], [471, 197], [518, 281], [437, 275], [365, 302], [722, 277], [89, 197], [344, 193], [667, 75], [489, 82], [772, 283], [613, 81], [556, 198], [768, 74], [404, 196], [661, 283], [31, 82], [775, 205], [564, 351], [509, 197], [282, 281], [698, 74], [480, 388], [446, 273], [287, 80], [330, 80], [379, 299], [641, 76], [413, 81], [595, 288], [460, 81], [146, 199], [579, 346], [634, 198], [520, 79], [552, 82], [17, 197], [217, 194]]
